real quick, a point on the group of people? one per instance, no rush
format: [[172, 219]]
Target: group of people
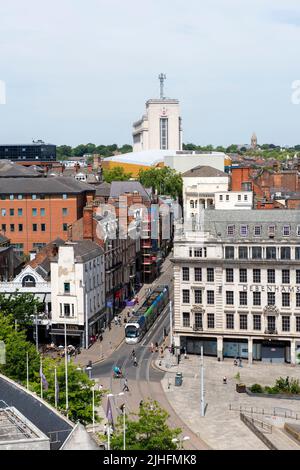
[[154, 348], [237, 362]]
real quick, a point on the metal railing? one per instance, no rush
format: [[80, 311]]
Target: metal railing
[[280, 412]]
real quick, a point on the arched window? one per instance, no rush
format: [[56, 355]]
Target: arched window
[[28, 281]]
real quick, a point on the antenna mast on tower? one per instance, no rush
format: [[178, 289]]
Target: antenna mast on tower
[[162, 77]]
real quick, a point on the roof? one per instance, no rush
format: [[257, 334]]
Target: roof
[[84, 250], [204, 172], [145, 157], [41, 263], [103, 189], [79, 439], [119, 188], [59, 185], [3, 239], [10, 169], [31, 144]]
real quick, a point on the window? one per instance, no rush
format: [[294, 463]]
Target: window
[[271, 276], [185, 274], [190, 252], [271, 252], [20, 212], [210, 320], [271, 230], [243, 275], [33, 196], [43, 227], [285, 252], [3, 212], [256, 298], [227, 197], [257, 230], [67, 310], [3, 197], [65, 227], [163, 124], [20, 196], [38, 246], [230, 230], [297, 323], [186, 319], [297, 276], [65, 196], [18, 248], [243, 322], [271, 322], [229, 275], [42, 212], [257, 322], [34, 227], [239, 197], [200, 253], [229, 321], [229, 297], [185, 296], [3, 227], [221, 197], [12, 227], [297, 252], [11, 197], [229, 252], [34, 212], [210, 297], [11, 212], [285, 276], [256, 252], [256, 276], [285, 299], [198, 296], [243, 298], [243, 252], [198, 274], [191, 204], [286, 231], [244, 230], [285, 323], [210, 275], [271, 298], [245, 197], [198, 321], [64, 211], [42, 196], [298, 230], [28, 281], [20, 227], [297, 299]]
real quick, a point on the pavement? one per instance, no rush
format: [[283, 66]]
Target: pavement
[[112, 339], [221, 427]]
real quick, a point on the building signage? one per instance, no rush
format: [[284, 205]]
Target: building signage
[[269, 288]]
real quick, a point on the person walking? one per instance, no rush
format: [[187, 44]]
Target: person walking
[[225, 380], [125, 386], [152, 347], [135, 363]]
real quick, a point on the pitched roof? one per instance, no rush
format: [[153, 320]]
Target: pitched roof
[[41, 263], [102, 189], [10, 169], [59, 185], [121, 187], [205, 172], [85, 250]]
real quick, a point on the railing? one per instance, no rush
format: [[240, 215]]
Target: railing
[[280, 412], [251, 424]]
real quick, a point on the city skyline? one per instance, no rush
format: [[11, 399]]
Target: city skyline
[[73, 79]]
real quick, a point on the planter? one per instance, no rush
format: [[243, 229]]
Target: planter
[[240, 388], [283, 396]]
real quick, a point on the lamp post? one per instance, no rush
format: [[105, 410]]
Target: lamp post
[[180, 440], [89, 369], [111, 395], [202, 385]]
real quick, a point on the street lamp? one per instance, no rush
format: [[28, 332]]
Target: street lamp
[[180, 440], [111, 395], [89, 369]]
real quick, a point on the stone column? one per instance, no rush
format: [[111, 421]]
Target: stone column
[[293, 351], [250, 350], [220, 348]]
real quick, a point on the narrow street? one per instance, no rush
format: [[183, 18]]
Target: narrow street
[[144, 380]]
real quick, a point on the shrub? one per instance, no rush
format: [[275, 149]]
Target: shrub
[[256, 388]]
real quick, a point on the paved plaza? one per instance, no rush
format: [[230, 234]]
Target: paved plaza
[[222, 428]]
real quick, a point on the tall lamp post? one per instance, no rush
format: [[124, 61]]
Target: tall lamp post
[[111, 395]]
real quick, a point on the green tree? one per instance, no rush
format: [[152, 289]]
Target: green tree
[[116, 174], [22, 307], [162, 180], [63, 152], [148, 432], [79, 151]]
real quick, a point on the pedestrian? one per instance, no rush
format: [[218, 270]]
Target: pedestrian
[[109, 326], [156, 346], [133, 354], [152, 347], [161, 352], [135, 363], [125, 386], [105, 429], [224, 380], [116, 320]]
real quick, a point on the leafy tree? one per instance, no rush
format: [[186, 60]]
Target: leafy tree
[[116, 174], [63, 152], [79, 151], [20, 306], [126, 148], [148, 432], [162, 180]]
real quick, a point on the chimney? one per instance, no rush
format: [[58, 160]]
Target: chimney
[[32, 255], [54, 249], [88, 223]]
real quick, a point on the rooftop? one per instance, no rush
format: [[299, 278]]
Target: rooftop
[[65, 185], [10, 169], [119, 188], [204, 172], [15, 427]]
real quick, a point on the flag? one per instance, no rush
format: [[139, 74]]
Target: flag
[[43, 378], [109, 414]]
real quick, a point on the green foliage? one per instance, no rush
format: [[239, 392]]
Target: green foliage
[[282, 385], [116, 174], [20, 306], [149, 431], [164, 180], [256, 388], [65, 152]]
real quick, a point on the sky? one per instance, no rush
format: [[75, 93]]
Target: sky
[[80, 71]]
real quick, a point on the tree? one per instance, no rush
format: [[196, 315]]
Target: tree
[[116, 174], [21, 307], [162, 180], [63, 152], [148, 432]]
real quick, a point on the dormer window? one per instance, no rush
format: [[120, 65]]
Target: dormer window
[[230, 230], [28, 281], [271, 230], [244, 230], [257, 230], [286, 230]]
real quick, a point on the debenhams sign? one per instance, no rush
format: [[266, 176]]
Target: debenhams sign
[[269, 288]]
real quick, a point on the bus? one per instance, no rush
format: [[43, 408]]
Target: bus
[[145, 316]]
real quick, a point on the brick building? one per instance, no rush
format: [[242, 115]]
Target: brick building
[[34, 211]]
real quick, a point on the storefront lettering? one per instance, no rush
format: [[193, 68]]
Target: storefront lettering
[[269, 288]]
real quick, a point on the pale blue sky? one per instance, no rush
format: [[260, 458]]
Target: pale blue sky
[[80, 71]]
